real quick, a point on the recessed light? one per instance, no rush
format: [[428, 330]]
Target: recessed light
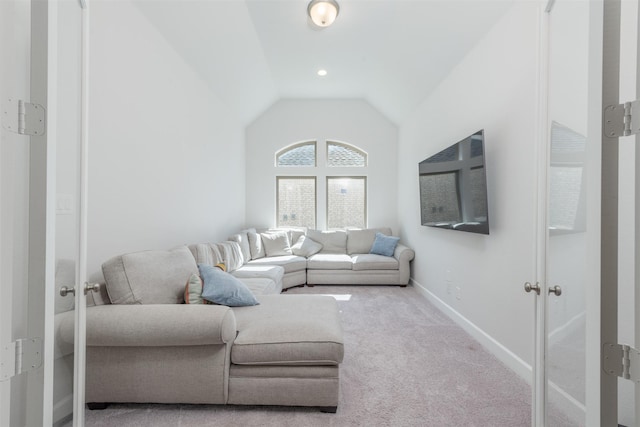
[[322, 72]]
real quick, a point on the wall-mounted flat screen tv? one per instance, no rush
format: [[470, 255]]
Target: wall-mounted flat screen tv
[[453, 187]]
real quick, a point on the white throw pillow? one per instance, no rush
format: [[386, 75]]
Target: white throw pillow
[[306, 247], [276, 244], [255, 245]]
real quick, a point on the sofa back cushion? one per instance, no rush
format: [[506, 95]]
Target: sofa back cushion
[[361, 241], [149, 277], [206, 253], [243, 239], [333, 242], [231, 255], [255, 245]]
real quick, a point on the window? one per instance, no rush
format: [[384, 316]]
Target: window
[[344, 155], [301, 154], [296, 201], [343, 198], [346, 202]]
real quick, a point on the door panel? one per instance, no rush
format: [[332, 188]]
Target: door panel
[[39, 206], [68, 198], [15, 29], [567, 234]]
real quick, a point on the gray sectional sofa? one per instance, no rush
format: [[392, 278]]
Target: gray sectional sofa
[[343, 257], [145, 345]]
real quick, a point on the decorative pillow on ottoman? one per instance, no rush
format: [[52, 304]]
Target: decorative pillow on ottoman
[[222, 288], [384, 245]]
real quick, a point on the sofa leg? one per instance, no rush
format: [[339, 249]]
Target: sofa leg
[[97, 405], [311, 286], [328, 409], [403, 286]]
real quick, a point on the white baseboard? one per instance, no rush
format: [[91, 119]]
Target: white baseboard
[[506, 356], [571, 407]]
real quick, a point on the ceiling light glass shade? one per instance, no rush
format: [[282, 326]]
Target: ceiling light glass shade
[[323, 12]]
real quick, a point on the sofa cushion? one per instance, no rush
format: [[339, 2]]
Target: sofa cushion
[[222, 288], [206, 253], [149, 277], [324, 261], [262, 285], [374, 262], [360, 241], [276, 243], [255, 245], [305, 246], [333, 242], [295, 234], [289, 330], [272, 272], [242, 238], [231, 255], [290, 263], [384, 245]]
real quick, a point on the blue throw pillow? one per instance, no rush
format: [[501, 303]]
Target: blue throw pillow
[[222, 288], [384, 245]]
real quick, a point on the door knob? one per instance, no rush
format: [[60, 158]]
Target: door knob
[[528, 287], [93, 287], [64, 291], [555, 290]]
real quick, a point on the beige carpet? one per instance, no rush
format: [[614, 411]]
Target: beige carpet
[[406, 364]]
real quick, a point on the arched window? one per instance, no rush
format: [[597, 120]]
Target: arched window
[[340, 154], [301, 154]]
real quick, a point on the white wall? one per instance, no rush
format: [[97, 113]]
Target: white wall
[[353, 121], [493, 88], [166, 159]]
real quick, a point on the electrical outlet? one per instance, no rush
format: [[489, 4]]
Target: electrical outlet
[[448, 276], [448, 287], [458, 292]]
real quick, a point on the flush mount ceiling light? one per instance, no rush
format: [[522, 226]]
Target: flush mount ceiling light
[[323, 12]]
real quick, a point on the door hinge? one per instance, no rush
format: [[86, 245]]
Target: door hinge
[[621, 360], [20, 356], [23, 118], [622, 119]]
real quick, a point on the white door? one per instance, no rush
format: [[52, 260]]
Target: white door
[[567, 235], [15, 37], [70, 218], [40, 211], [568, 241]]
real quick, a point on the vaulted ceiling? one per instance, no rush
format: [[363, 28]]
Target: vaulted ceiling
[[391, 53]]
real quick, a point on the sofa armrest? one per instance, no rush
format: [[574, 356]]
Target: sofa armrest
[[403, 253], [159, 325]]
